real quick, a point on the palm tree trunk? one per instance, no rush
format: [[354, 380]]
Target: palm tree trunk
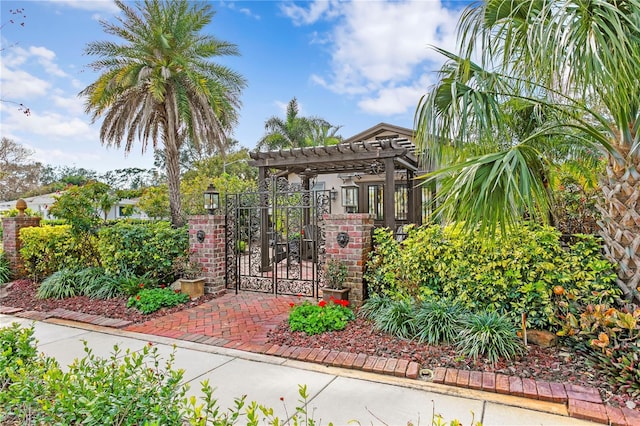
[[172, 152], [620, 224]]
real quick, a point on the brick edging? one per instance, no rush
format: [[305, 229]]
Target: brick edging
[[582, 402]]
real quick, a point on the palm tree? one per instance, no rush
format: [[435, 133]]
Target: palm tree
[[574, 62], [296, 131], [159, 85]]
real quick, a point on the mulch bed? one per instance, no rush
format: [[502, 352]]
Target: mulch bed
[[22, 294], [556, 364]]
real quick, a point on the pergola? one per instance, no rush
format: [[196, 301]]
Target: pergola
[[386, 156]]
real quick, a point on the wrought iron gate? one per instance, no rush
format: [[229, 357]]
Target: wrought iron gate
[[275, 239]]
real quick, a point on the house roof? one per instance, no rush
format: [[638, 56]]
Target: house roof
[[365, 153]]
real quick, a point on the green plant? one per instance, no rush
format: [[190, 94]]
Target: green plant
[[438, 321], [47, 249], [374, 305], [397, 319], [96, 284], [321, 317], [150, 300], [130, 284], [608, 337], [514, 274], [141, 248], [335, 274], [184, 267], [17, 348], [489, 334], [5, 271], [59, 285]]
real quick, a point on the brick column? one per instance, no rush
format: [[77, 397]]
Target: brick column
[[358, 226], [210, 252], [11, 242]]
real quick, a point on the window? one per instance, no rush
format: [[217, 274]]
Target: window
[[375, 201]]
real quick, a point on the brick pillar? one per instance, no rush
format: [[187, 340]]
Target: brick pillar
[[210, 253], [358, 226], [11, 242]]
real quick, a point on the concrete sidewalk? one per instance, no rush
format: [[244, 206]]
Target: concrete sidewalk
[[336, 395]]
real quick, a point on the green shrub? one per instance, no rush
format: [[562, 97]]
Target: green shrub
[[514, 274], [5, 271], [17, 348], [96, 284], [47, 249], [374, 305], [130, 284], [316, 319], [59, 285], [489, 334], [142, 248], [438, 321], [148, 301], [397, 319]]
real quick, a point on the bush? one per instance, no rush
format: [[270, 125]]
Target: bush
[[438, 321], [397, 319], [5, 271], [59, 285], [514, 274], [489, 334], [608, 337], [140, 249], [148, 301], [316, 319], [48, 249], [96, 284], [130, 284], [17, 348]]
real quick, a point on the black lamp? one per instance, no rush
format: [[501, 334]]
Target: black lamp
[[350, 196], [211, 199]]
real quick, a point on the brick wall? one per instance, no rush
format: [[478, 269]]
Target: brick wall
[[210, 252], [11, 242], [354, 255]]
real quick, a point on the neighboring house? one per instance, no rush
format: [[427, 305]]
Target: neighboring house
[[42, 203], [373, 160]]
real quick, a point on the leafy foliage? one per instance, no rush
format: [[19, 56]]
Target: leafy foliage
[[315, 319], [336, 273], [438, 321], [82, 206], [47, 249], [150, 300], [609, 339], [514, 274], [97, 284], [140, 249], [397, 319], [5, 271], [17, 348], [489, 334], [59, 285]]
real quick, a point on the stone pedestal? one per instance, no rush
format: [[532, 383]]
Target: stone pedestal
[[209, 250], [11, 242]]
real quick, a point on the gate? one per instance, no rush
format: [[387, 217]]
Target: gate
[[275, 239]]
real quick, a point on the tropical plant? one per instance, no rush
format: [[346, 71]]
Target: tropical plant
[[438, 321], [158, 84], [59, 285], [569, 69], [489, 334], [97, 284], [397, 319], [5, 270], [296, 131]]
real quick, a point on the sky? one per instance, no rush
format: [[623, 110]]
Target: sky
[[352, 63]]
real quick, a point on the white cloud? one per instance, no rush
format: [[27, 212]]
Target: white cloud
[[19, 84], [91, 5], [244, 10], [74, 104], [380, 49], [46, 57]]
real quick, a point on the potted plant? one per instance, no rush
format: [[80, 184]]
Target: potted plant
[[335, 276], [190, 276]]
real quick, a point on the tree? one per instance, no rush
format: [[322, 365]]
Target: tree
[[574, 62], [158, 84], [296, 131], [154, 202], [18, 173]]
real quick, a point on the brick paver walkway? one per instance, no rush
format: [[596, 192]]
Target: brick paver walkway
[[239, 321]]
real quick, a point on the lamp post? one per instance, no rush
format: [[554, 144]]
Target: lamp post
[[211, 199]]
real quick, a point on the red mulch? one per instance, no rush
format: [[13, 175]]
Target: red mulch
[[551, 364], [22, 294]]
